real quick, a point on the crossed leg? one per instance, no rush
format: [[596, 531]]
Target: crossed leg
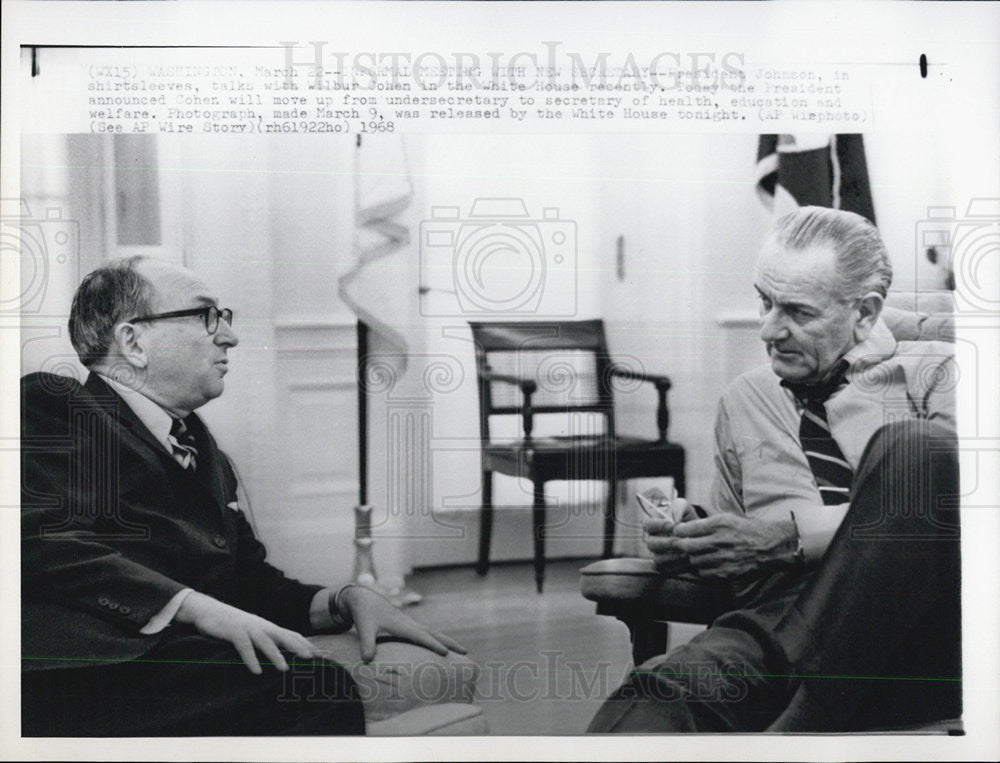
[[872, 639]]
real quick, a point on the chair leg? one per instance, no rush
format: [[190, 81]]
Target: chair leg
[[611, 503], [680, 482], [649, 638], [485, 525], [538, 527]]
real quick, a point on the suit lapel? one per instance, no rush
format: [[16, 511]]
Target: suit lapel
[[209, 472], [208, 476], [116, 407]]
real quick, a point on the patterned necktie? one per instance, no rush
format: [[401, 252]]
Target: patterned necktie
[[829, 467], [182, 444]]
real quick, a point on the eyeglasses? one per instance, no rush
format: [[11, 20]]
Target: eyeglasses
[[210, 315]]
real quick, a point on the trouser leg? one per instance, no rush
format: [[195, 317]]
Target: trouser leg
[[732, 677], [871, 639], [876, 636]]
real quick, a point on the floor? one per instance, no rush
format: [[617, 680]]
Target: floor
[[547, 660]]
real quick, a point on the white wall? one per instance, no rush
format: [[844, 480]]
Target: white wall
[[691, 224], [542, 171], [62, 192], [909, 172], [268, 221]]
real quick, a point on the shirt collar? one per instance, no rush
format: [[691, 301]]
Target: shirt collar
[[879, 345], [155, 418]]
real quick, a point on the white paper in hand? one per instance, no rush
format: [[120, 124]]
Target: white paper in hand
[[656, 504]]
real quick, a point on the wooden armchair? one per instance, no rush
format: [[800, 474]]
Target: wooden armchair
[[528, 368]]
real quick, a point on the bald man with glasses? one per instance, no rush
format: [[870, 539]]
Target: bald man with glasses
[[148, 606]]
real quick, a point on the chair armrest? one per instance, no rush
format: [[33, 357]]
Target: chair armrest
[[528, 387], [662, 384], [635, 587], [627, 373]]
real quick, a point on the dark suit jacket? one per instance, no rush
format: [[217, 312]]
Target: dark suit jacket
[[112, 527]]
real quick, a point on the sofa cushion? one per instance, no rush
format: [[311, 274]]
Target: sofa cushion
[[449, 719], [403, 676], [920, 316]]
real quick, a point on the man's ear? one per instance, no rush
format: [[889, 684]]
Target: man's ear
[[869, 309], [130, 347]]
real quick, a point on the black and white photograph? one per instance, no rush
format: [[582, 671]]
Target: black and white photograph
[[500, 380]]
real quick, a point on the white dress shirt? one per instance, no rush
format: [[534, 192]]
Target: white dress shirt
[[760, 468]]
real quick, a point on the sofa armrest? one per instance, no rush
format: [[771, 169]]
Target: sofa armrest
[[907, 326]]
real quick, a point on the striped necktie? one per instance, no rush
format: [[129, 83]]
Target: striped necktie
[[829, 467], [182, 444]]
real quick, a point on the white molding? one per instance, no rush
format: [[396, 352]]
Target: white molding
[[319, 384], [312, 323], [738, 320], [311, 488], [339, 522]]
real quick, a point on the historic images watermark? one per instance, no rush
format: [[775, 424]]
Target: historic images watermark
[[548, 68], [552, 676]]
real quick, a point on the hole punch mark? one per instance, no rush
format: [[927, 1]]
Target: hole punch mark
[[923, 66]]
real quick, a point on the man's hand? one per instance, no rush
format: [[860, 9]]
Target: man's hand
[[243, 630], [659, 535], [728, 545], [374, 614]]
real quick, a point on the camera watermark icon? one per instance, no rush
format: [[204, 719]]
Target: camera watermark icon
[[44, 246], [965, 252], [499, 260]]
